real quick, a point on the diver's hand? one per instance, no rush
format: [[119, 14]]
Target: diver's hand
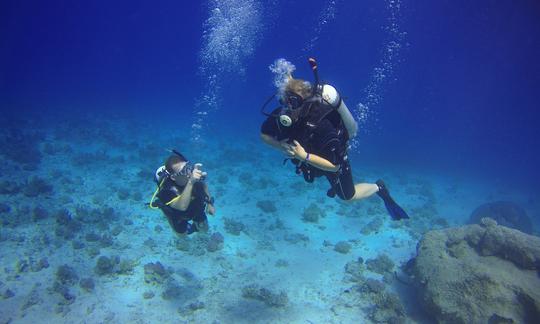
[[197, 174], [287, 148], [284, 145], [296, 151], [210, 209]]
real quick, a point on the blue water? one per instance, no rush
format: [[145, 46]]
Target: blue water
[[445, 94]]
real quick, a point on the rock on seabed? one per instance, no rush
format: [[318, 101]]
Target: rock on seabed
[[479, 274]]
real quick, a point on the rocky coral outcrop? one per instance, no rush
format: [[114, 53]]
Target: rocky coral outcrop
[[479, 274], [155, 273], [505, 213], [270, 298], [313, 213]]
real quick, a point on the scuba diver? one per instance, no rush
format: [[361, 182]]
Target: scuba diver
[[312, 127], [182, 195]]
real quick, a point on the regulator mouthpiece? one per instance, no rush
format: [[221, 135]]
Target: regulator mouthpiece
[[285, 120]]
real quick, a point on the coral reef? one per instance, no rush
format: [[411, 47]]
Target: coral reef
[[381, 306], [191, 308], [372, 227], [295, 238], [26, 265], [232, 226], [267, 206], [354, 271], [265, 295], [342, 247], [312, 213], [155, 273], [215, 243], [505, 213], [387, 307], [148, 294], [181, 293], [114, 266], [182, 243], [265, 244], [479, 274], [87, 284], [197, 244], [66, 275], [381, 264], [105, 265]]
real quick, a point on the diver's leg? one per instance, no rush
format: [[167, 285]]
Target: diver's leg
[[201, 222], [178, 225], [342, 183], [182, 227], [364, 190]]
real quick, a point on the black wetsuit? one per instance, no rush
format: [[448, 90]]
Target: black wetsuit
[[327, 139], [179, 219]]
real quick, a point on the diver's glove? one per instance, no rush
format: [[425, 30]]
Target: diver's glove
[[392, 207]]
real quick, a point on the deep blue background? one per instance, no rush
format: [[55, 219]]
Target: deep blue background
[[464, 101]]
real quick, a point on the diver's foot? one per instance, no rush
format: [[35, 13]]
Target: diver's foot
[[191, 228], [383, 191], [395, 211]]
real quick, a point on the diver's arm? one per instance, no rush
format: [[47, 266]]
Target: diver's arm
[[210, 208], [207, 193], [320, 163], [272, 142], [182, 203], [296, 151]]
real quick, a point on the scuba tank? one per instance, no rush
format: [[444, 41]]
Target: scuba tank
[[330, 95]]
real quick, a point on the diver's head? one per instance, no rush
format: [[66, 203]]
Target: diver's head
[[178, 169], [292, 99], [299, 87]]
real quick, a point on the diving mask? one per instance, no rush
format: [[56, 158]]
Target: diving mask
[[290, 112], [182, 176], [291, 100]]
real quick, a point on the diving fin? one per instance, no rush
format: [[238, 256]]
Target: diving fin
[[395, 211]]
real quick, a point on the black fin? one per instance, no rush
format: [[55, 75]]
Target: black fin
[[395, 211]]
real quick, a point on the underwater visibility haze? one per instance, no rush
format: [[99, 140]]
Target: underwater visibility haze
[[136, 186]]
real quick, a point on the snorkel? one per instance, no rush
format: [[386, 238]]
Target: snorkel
[[313, 65]]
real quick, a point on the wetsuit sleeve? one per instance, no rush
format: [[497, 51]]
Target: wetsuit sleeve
[[196, 208], [270, 127]]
